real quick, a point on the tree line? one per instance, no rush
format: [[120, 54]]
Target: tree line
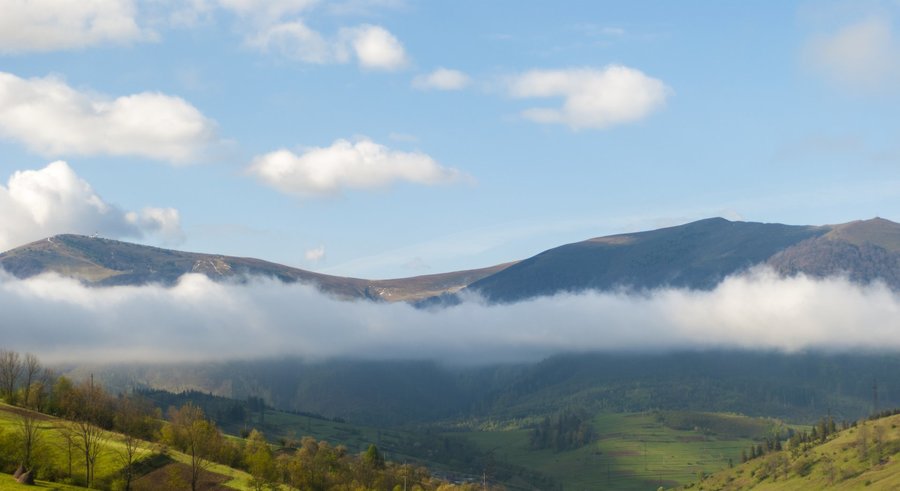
[[89, 418], [567, 430]]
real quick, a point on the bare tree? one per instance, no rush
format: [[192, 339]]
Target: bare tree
[[10, 371], [86, 413], [191, 432], [89, 439], [67, 444], [31, 368], [29, 432], [134, 421], [43, 389]]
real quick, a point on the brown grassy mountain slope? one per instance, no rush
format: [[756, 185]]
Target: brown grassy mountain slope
[[105, 262]]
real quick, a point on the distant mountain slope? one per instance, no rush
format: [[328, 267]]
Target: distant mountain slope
[[105, 262], [695, 255], [864, 251]]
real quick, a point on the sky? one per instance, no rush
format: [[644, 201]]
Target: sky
[[390, 138]]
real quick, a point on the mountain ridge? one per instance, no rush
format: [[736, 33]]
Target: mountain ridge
[[107, 262], [695, 255]]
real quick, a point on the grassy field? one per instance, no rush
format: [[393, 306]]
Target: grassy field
[[7, 483], [633, 451], [52, 450], [854, 459]]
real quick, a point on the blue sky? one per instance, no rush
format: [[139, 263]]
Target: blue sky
[[322, 135]]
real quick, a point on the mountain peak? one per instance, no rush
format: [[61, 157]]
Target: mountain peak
[[875, 231]]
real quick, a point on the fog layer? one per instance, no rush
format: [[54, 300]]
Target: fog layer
[[201, 320]]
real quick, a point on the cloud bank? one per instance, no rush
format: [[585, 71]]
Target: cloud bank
[[50, 25], [201, 320], [592, 98], [54, 200], [362, 164], [54, 119]]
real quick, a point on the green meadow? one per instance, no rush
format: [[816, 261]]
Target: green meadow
[[634, 450]]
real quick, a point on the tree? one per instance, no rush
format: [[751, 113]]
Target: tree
[[88, 407], [862, 443], [192, 433], [31, 369], [29, 431], [10, 371], [89, 439], [260, 462], [133, 420], [42, 390], [373, 458]]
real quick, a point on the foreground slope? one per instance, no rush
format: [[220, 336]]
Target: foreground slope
[[105, 262], [862, 457]]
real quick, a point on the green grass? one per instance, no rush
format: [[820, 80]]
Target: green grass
[[108, 466], [7, 483], [633, 451]]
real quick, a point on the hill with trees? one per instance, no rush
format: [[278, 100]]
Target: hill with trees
[[80, 436], [862, 455]]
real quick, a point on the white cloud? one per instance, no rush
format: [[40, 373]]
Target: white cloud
[[593, 98], [162, 222], [375, 47], [49, 25], [442, 79], [315, 255], [296, 41], [70, 322], [347, 165], [279, 26], [54, 119], [54, 200], [860, 56]]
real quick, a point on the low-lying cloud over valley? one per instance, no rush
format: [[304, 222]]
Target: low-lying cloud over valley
[[201, 320]]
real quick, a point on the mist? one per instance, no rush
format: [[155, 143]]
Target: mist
[[201, 320]]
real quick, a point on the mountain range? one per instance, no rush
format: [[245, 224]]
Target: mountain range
[[696, 255]]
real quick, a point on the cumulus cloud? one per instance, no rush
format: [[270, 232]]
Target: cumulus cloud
[[359, 164], [861, 56], [442, 79], [592, 98], [54, 200], [315, 255], [49, 25], [198, 319], [373, 47], [54, 119]]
